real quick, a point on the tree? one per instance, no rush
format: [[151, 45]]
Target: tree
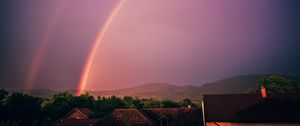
[[3, 94], [276, 84], [104, 105], [138, 103], [22, 107], [116, 102], [169, 104], [83, 101], [151, 103], [128, 101], [59, 105], [186, 102]]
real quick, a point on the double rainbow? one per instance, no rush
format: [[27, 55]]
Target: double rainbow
[[89, 63], [44, 43], [46, 40]]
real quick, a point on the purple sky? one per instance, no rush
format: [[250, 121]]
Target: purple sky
[[188, 42]]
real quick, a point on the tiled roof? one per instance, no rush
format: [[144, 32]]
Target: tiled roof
[[125, 117], [75, 122], [151, 117], [85, 111], [252, 108]]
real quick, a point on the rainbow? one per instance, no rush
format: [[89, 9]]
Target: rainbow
[[89, 62], [45, 41]]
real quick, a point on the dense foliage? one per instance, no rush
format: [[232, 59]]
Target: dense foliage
[[23, 109], [276, 84]]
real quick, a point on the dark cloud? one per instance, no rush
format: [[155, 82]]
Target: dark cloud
[[235, 38]]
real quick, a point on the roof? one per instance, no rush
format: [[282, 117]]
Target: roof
[[125, 117], [252, 108], [65, 121], [75, 122], [151, 117], [86, 111]]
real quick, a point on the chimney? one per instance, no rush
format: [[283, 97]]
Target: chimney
[[263, 91]]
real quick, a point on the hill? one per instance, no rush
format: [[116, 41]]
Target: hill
[[238, 84], [38, 92], [154, 90], [163, 91]]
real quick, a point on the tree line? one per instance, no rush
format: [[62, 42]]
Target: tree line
[[23, 109], [276, 84]]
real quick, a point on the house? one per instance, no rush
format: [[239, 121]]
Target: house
[[135, 117], [78, 117], [153, 117], [251, 109]]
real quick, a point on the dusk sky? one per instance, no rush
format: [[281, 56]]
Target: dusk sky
[[48, 44]]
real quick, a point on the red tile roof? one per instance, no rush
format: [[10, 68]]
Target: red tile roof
[[85, 111], [75, 122], [252, 108], [151, 117]]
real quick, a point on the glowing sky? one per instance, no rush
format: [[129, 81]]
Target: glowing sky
[[175, 41]]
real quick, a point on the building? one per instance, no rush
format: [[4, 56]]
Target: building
[[251, 109], [217, 110], [78, 117], [153, 117], [135, 117]]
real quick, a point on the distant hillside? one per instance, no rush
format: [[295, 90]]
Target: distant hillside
[[39, 92], [155, 90], [237, 84], [162, 91]]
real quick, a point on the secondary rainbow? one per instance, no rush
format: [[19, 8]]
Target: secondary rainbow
[[44, 43], [89, 63]]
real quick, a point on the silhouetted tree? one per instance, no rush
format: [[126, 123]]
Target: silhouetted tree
[[138, 103], [169, 104], [59, 105], [128, 100], [275, 84], [150, 103], [186, 102], [22, 108], [104, 105], [3, 95], [84, 100]]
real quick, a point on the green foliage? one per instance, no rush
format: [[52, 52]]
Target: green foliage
[[150, 103], [275, 84], [128, 100], [59, 105], [3, 94], [104, 105], [169, 104], [10, 123], [62, 103], [187, 102], [84, 100], [23, 109], [138, 103]]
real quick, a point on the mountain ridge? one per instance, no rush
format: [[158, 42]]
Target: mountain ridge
[[164, 91]]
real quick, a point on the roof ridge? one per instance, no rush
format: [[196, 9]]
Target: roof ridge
[[145, 116], [87, 114], [75, 109]]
